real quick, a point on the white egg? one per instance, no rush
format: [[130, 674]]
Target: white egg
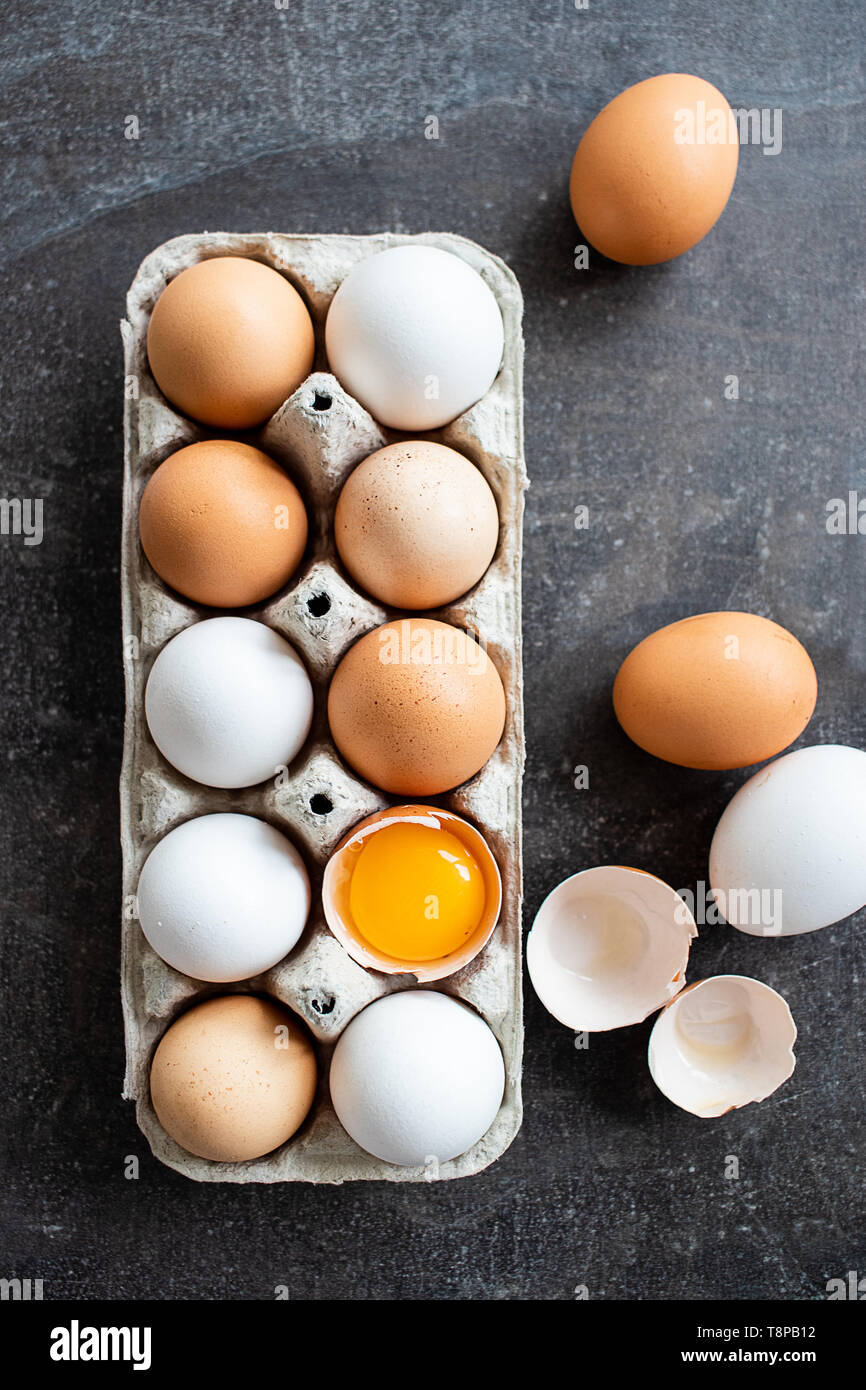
[[417, 1078], [415, 335], [789, 853], [722, 1043], [228, 702], [608, 947], [223, 897]]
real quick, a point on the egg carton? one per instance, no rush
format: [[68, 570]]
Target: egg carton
[[319, 434]]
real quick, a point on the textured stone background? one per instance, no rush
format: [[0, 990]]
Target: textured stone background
[[312, 119]]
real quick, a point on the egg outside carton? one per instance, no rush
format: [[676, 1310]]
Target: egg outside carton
[[320, 434]]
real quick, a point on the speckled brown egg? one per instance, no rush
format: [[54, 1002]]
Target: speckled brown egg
[[233, 1078], [655, 169], [416, 707], [229, 340], [222, 523], [719, 690], [416, 524]]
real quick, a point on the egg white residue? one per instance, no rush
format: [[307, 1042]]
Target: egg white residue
[[722, 1043], [417, 1078], [608, 947], [228, 702], [223, 897], [789, 853], [415, 335]]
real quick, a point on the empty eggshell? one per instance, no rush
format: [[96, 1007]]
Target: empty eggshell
[[417, 1078], [228, 702], [722, 1043], [415, 335], [608, 947], [223, 897], [718, 690], [789, 853]]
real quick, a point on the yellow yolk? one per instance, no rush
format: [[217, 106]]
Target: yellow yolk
[[416, 892]]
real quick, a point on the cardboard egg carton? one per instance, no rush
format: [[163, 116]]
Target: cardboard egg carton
[[319, 435]]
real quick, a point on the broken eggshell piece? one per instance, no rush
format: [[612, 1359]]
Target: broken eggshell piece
[[724, 1042], [608, 947]]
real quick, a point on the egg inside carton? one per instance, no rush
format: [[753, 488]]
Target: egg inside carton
[[319, 434]]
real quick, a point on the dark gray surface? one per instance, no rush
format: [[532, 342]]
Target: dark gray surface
[[312, 119]]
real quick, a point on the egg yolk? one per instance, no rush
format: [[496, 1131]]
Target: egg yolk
[[416, 892]]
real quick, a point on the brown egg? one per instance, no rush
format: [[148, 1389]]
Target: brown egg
[[222, 523], [416, 707], [233, 1078], [416, 524], [655, 169], [229, 340], [719, 690]]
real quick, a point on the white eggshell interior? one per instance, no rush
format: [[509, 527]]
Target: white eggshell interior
[[608, 947], [417, 1078], [229, 702], [723, 1043], [789, 853], [415, 335], [223, 897]]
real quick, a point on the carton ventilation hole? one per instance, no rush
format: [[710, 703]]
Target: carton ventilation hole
[[324, 1005], [319, 605], [321, 401], [321, 805]]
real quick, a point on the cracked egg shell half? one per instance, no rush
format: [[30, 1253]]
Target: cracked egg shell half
[[608, 947], [724, 1042], [413, 889]]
